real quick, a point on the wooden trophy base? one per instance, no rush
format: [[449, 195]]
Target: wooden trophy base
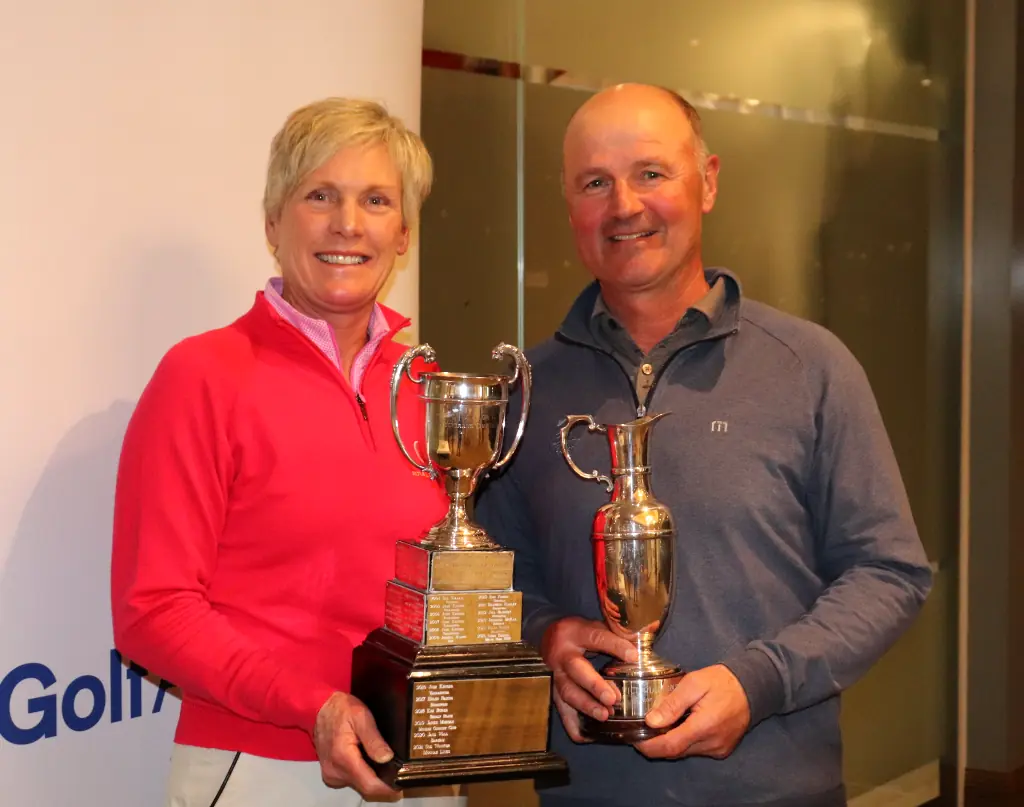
[[456, 714], [499, 767]]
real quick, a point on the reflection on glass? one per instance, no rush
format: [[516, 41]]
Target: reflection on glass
[[469, 248], [807, 54], [487, 29]]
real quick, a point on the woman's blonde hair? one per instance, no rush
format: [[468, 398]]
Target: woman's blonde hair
[[313, 134]]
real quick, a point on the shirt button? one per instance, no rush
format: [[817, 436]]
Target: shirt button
[[646, 369]]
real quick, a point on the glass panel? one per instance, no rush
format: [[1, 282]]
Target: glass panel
[[488, 29], [469, 254], [855, 224], [833, 55], [553, 275]]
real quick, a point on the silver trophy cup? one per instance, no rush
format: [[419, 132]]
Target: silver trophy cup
[[633, 539], [454, 690], [465, 428]]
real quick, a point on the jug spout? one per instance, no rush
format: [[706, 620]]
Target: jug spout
[[643, 422], [629, 444]]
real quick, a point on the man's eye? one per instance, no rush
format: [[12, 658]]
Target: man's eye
[[594, 183], [651, 174], [317, 196]]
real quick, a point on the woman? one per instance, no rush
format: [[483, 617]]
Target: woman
[[260, 492]]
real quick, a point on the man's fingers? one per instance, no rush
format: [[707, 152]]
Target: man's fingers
[[570, 720], [582, 673], [678, 742], [578, 698], [671, 707], [595, 636], [587, 678]]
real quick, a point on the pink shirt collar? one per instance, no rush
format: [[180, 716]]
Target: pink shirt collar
[[322, 335]]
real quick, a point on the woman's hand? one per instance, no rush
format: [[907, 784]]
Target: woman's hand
[[344, 726]]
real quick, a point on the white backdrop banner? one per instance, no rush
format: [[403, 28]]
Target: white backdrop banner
[[133, 147]]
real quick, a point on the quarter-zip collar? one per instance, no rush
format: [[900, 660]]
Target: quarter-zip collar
[[321, 334], [393, 323], [576, 325], [724, 319]]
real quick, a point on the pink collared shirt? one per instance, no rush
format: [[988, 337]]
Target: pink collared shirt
[[322, 335]]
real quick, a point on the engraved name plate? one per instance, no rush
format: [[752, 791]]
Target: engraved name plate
[[479, 716], [404, 612], [454, 618], [447, 570]]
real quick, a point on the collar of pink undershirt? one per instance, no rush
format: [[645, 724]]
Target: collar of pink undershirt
[[321, 334]]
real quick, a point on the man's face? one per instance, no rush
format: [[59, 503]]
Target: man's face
[[635, 189]]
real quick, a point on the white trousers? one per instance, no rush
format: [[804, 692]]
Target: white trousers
[[197, 774]]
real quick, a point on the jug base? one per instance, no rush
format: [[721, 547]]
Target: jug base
[[638, 696], [619, 730]]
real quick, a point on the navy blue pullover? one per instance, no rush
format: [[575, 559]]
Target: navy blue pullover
[[798, 563]]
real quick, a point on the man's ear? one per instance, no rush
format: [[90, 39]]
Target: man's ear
[[710, 183]]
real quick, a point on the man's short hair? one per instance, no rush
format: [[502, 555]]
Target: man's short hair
[[693, 116]]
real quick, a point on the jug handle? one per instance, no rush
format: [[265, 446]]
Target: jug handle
[[570, 422], [523, 373], [405, 365]]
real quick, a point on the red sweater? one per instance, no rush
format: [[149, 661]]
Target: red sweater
[[255, 522]]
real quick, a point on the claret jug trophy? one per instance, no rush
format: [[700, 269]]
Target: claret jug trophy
[[633, 540], [455, 691]]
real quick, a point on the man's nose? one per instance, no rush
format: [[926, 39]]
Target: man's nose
[[626, 201]]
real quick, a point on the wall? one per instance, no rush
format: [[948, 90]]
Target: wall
[[132, 156]]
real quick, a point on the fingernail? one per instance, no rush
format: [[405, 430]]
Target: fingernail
[[655, 718], [608, 698], [598, 713]]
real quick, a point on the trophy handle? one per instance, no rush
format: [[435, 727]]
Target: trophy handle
[[525, 375], [405, 365], [570, 422]]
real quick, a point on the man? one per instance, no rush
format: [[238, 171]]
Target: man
[[797, 559]]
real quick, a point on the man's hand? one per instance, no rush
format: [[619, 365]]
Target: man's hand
[[577, 685], [342, 726], [718, 719]]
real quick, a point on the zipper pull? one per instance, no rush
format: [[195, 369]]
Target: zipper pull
[[362, 407]]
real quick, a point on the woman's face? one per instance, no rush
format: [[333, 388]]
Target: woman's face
[[338, 235]]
